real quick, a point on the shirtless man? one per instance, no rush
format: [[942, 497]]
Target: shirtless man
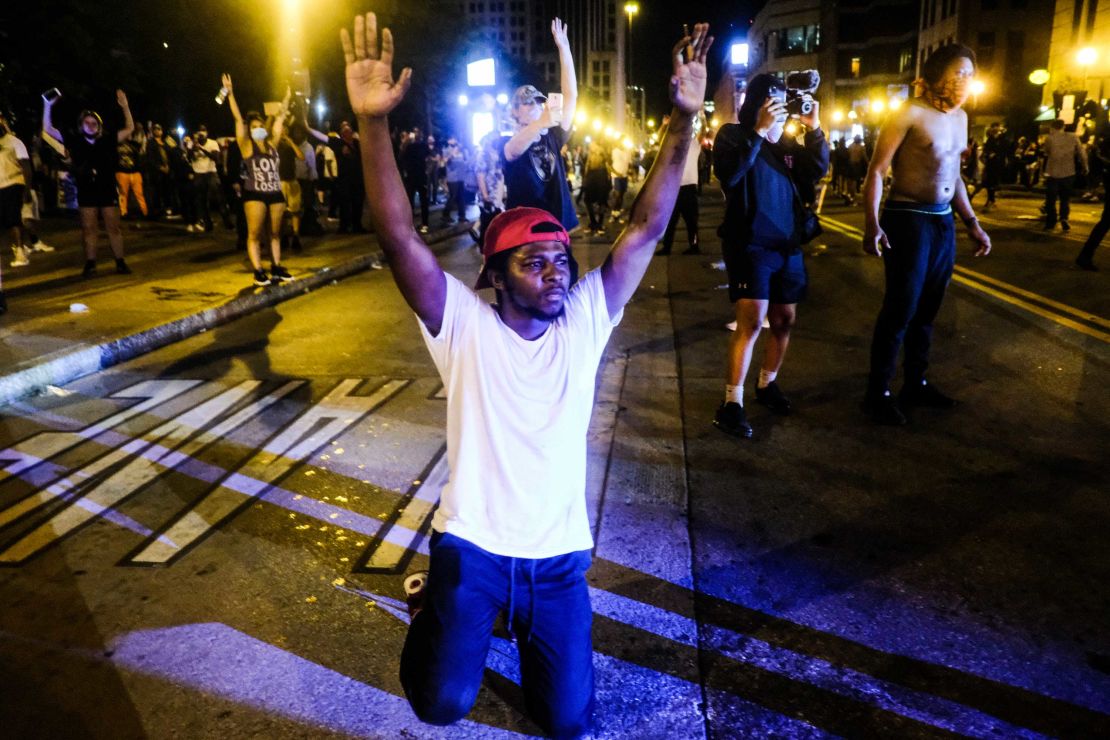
[[916, 236]]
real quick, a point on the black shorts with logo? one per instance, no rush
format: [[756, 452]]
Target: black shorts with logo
[[763, 274]]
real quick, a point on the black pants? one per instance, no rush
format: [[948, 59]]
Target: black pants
[[415, 187], [350, 195], [918, 266], [1087, 254], [456, 198], [1057, 187], [206, 188], [686, 206]]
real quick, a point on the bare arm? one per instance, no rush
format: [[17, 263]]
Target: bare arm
[[48, 121], [568, 82], [527, 136], [891, 136], [961, 204], [242, 136], [279, 119], [318, 135], [128, 124], [373, 95], [629, 259]]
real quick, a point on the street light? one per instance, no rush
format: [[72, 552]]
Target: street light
[[977, 88], [1086, 57], [630, 10]]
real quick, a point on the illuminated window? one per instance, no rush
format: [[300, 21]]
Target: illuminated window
[[855, 67]]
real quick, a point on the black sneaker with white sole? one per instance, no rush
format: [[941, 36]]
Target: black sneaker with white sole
[[280, 275], [773, 398], [261, 279]]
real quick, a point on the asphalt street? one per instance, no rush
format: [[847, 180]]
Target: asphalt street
[[209, 540]]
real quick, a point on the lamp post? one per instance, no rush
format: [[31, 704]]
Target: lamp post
[[630, 9]]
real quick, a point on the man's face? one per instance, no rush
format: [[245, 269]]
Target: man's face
[[536, 279], [90, 126], [347, 134], [156, 132], [527, 111], [955, 86]]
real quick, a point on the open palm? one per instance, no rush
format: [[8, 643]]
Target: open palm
[[689, 78], [370, 84]]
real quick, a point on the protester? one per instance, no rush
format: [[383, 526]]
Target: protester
[[620, 159], [511, 531], [916, 236], [1101, 152], [129, 176], [288, 156], [262, 195], [159, 179], [181, 165], [762, 236], [534, 171], [15, 190], [686, 204], [596, 187], [454, 160], [994, 154], [347, 188], [1063, 158], [95, 159], [491, 183], [205, 159], [414, 169], [306, 174]]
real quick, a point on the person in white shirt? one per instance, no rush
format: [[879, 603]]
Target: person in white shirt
[[204, 157], [15, 179], [619, 160], [511, 533], [1063, 158]]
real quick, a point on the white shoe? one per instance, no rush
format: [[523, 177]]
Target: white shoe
[[41, 247], [731, 326], [20, 257], [190, 228]]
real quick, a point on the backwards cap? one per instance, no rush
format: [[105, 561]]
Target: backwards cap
[[517, 227]]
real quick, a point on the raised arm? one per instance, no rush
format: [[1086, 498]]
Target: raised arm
[[568, 82], [242, 136], [631, 255], [373, 95], [48, 120], [128, 124], [318, 135], [527, 136], [279, 119], [891, 136]]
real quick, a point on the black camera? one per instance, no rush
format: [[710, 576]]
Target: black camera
[[800, 87]]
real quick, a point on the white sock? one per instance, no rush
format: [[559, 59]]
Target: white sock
[[766, 377], [734, 393]]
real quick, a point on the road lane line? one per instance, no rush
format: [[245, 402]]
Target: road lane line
[[1032, 308], [402, 535], [1062, 307]]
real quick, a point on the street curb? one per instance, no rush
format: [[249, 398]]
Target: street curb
[[68, 365]]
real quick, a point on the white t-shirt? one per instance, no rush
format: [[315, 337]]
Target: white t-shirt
[[203, 165], [619, 161], [517, 416], [11, 151]]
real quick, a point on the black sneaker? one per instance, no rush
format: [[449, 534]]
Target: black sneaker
[[883, 409], [90, 269], [415, 586], [773, 398], [1065, 226], [731, 419], [925, 395], [122, 268], [1086, 265], [261, 279], [280, 275]]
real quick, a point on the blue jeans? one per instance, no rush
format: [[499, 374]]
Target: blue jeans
[[918, 266], [548, 608]]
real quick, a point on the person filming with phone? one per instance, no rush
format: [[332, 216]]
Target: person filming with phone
[[766, 223], [534, 172]]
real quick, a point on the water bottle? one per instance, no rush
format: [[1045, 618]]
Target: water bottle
[[221, 96]]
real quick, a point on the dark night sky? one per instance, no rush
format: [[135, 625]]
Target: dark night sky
[[88, 49]]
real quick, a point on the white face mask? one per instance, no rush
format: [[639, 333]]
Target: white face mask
[[258, 133]]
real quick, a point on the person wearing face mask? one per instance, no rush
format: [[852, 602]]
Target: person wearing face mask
[[761, 174], [922, 142], [262, 196], [95, 156]]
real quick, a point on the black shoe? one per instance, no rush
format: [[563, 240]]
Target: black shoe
[[280, 275], [731, 419], [90, 269], [122, 268], [1086, 265], [883, 409], [3, 304], [261, 279], [925, 395], [1065, 226], [1049, 227], [773, 398]]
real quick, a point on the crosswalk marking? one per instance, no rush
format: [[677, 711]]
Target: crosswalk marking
[[312, 430]]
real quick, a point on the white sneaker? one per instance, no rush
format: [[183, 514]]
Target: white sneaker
[[191, 228], [731, 326], [20, 257], [41, 247]]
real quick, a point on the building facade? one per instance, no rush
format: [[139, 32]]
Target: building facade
[[1079, 25]]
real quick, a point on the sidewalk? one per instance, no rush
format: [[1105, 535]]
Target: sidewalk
[[182, 284]]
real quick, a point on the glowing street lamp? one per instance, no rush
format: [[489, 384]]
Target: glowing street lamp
[[852, 115], [464, 99], [630, 9], [837, 116], [651, 123], [1086, 57], [597, 124], [877, 106], [977, 88], [581, 117]]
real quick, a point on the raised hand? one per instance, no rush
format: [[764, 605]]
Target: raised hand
[[688, 80], [559, 32], [225, 81], [121, 98], [370, 84]]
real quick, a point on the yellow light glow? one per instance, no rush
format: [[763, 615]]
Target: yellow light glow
[[651, 123], [852, 115], [581, 117], [877, 106], [631, 9], [1086, 56], [895, 103], [977, 87], [627, 143], [1039, 76], [791, 129], [597, 124], [837, 116], [715, 122]]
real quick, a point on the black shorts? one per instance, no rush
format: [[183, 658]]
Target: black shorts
[[267, 198], [766, 274], [11, 206], [97, 192]]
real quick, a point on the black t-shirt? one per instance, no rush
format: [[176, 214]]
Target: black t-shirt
[[287, 161], [348, 159], [94, 161], [129, 154], [538, 178], [413, 161]]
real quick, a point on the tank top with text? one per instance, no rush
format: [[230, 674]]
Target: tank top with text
[[260, 171]]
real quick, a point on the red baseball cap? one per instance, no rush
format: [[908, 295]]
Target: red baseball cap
[[517, 227]]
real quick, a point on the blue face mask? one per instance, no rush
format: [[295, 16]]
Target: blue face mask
[[258, 133]]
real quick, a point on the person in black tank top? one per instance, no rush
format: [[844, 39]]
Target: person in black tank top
[[261, 185], [95, 158]]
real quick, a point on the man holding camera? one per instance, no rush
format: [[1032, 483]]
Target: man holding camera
[[534, 172], [511, 532], [916, 236], [763, 233]]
